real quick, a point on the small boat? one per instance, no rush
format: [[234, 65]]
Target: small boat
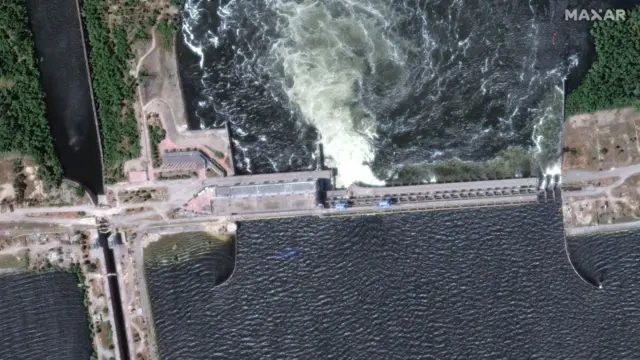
[[286, 254]]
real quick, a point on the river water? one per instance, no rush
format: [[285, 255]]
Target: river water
[[382, 83], [56, 31], [445, 285], [42, 317]]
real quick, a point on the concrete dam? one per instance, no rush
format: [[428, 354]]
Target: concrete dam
[[310, 193]]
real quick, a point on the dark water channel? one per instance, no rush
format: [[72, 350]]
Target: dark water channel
[[116, 302], [65, 81]]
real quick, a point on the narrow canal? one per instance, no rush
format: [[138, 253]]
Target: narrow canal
[[116, 302], [64, 76]]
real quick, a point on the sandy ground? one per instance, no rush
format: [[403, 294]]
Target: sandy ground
[[134, 312], [161, 94]]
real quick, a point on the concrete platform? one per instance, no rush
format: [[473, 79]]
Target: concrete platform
[[265, 204], [258, 190]]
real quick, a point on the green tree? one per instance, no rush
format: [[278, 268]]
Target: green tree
[[23, 125], [614, 78]]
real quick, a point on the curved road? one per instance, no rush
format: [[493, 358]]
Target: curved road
[[622, 173]]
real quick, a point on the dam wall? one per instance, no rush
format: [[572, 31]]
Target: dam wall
[[304, 194]]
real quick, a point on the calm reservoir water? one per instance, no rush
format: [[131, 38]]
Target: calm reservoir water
[[56, 31], [42, 317], [450, 285]]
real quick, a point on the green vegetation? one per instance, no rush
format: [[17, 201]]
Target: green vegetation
[[23, 125], [509, 164], [167, 29], [80, 191], [112, 27], [19, 180], [156, 135], [614, 78], [114, 88]]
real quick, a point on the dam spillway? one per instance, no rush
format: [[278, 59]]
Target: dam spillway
[[310, 193]]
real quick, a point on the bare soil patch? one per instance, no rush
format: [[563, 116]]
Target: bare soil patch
[[601, 140], [59, 215], [621, 205], [143, 195]]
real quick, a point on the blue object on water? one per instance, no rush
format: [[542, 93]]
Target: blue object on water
[[286, 254]]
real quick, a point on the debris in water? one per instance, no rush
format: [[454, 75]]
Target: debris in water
[[286, 254]]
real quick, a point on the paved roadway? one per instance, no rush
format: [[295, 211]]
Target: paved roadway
[[586, 175], [145, 300], [181, 191], [584, 230], [621, 173]]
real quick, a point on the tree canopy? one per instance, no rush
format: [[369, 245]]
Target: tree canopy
[[23, 125], [114, 88], [614, 78]]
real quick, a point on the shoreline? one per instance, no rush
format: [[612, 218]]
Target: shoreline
[[601, 229]]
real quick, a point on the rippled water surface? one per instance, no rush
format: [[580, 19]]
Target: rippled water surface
[[492, 283], [42, 317], [382, 83]]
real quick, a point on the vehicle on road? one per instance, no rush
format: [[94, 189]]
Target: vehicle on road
[[341, 205]]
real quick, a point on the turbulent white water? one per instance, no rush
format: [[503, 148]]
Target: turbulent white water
[[383, 83], [324, 57]]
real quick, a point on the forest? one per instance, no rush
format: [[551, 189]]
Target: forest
[[113, 27], [114, 89], [23, 125], [614, 77]]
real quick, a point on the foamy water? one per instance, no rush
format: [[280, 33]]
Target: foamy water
[[381, 84], [324, 59]]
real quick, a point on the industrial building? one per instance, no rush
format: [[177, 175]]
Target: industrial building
[[188, 160]]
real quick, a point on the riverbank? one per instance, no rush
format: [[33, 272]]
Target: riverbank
[[162, 115], [74, 253], [175, 248], [24, 127], [66, 82]]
